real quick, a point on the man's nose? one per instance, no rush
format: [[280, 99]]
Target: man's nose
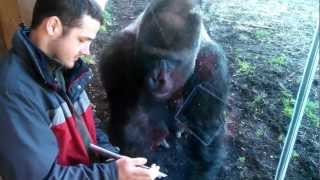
[[85, 49]]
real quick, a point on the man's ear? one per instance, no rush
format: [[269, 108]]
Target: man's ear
[[54, 26]]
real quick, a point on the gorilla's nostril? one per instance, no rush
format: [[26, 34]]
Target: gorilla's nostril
[[161, 81]]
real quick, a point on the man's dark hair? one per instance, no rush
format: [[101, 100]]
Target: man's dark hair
[[69, 11]]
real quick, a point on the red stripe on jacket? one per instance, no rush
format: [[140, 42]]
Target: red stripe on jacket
[[72, 149]]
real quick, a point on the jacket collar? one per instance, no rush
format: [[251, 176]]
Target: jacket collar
[[77, 77]]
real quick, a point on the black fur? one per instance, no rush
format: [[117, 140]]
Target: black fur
[[140, 62]]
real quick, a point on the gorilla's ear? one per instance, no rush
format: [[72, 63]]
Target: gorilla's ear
[[170, 25]]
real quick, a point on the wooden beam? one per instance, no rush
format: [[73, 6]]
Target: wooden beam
[[10, 19], [25, 9], [12, 13], [2, 45]]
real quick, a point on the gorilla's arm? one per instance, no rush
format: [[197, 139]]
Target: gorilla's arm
[[212, 73], [115, 71]]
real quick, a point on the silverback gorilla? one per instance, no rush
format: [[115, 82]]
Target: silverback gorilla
[[167, 83]]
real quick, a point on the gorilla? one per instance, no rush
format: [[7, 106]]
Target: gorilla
[[167, 84]]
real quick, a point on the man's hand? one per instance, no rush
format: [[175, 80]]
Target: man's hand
[[128, 169]]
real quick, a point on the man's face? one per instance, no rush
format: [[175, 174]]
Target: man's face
[[68, 47]]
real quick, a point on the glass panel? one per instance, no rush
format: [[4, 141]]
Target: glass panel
[[267, 44]]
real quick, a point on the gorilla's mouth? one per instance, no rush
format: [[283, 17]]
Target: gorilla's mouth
[[160, 89], [161, 93]]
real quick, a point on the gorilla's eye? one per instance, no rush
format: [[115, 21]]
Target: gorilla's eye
[[176, 61], [151, 62], [173, 63]]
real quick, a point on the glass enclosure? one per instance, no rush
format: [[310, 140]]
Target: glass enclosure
[[266, 44]]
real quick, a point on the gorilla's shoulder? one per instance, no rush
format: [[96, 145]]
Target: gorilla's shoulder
[[121, 44]]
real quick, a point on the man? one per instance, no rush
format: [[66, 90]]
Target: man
[[46, 117]]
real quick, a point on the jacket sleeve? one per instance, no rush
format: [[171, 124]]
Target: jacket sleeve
[[97, 171], [28, 147]]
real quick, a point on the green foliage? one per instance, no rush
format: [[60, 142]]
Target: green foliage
[[260, 132], [244, 67], [237, 52], [281, 137], [287, 102], [88, 59], [258, 103], [311, 111], [242, 159], [295, 155], [259, 99], [261, 34], [278, 60], [103, 28], [107, 20]]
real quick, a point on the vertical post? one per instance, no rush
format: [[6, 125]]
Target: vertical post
[[10, 18], [12, 13], [300, 104], [2, 45], [26, 9]]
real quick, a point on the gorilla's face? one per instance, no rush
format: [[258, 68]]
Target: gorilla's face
[[167, 45], [165, 74]]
